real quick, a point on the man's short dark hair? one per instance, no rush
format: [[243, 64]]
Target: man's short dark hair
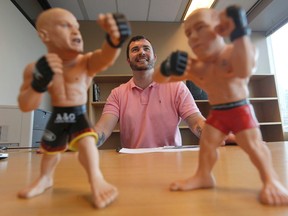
[[137, 38]]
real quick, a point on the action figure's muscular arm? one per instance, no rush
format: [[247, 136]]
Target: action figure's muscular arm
[[37, 79], [26, 91], [117, 31], [233, 24]]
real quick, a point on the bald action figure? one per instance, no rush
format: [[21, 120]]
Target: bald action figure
[[223, 71], [66, 74]]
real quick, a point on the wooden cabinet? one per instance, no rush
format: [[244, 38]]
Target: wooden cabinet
[[263, 97]]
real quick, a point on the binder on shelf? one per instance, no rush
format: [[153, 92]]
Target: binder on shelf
[[96, 92]]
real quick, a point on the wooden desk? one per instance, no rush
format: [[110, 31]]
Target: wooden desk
[[143, 182]]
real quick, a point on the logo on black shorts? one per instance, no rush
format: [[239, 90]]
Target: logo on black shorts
[[49, 136], [65, 118]]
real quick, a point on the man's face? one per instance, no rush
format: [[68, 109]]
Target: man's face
[[64, 34], [199, 30], [141, 55]]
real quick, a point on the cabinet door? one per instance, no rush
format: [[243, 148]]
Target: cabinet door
[[10, 125]]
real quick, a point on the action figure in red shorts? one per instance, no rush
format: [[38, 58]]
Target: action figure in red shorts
[[223, 72]]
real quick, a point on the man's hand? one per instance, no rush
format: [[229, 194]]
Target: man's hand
[[117, 28], [44, 71]]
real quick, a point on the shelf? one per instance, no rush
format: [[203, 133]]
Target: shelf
[[98, 103], [263, 99], [261, 76], [269, 123]]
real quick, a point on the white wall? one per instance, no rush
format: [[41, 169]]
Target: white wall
[[19, 45], [261, 43]]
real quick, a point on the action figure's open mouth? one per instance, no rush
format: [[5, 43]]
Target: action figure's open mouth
[[76, 40], [196, 46]]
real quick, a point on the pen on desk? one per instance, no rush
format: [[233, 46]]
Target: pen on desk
[[180, 147]]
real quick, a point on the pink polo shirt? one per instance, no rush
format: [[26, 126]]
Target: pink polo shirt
[[150, 117]]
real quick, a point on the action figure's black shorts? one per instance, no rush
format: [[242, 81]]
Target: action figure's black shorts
[[66, 126]]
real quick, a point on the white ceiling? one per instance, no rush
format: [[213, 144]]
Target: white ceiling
[[262, 14]]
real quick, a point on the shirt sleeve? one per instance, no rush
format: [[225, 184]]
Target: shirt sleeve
[[112, 103], [185, 101]]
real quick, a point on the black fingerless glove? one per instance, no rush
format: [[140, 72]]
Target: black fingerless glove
[[124, 29], [175, 64], [42, 75], [240, 20]]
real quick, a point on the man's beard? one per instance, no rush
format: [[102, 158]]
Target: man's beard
[[149, 66]]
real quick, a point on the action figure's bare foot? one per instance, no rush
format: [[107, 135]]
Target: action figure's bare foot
[[194, 182], [274, 194], [103, 193], [37, 188]]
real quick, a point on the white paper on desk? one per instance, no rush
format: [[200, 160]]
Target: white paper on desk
[[158, 149]]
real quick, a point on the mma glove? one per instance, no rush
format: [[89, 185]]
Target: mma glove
[[239, 18], [175, 64], [42, 75], [124, 29]]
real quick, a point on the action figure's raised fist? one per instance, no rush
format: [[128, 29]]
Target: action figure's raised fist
[[44, 71], [117, 27], [123, 27], [239, 18], [175, 64]]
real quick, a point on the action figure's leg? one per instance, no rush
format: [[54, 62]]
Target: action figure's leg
[[103, 192], [210, 140], [273, 192], [45, 180]]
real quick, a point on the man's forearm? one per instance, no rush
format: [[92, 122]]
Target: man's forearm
[[198, 131], [101, 138], [196, 123]]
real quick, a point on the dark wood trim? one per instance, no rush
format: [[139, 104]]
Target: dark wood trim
[[44, 4], [23, 12]]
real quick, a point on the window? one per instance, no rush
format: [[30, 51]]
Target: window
[[279, 49]]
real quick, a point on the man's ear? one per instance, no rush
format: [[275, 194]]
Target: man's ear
[[43, 34], [128, 61]]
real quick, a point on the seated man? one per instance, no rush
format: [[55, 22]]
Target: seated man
[[148, 113]]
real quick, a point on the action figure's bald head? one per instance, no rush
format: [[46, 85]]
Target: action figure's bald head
[[59, 31], [48, 17], [207, 13]]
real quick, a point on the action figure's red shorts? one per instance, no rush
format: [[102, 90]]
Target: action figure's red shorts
[[233, 119]]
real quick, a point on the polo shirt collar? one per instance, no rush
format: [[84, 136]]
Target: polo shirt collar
[[133, 85]]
